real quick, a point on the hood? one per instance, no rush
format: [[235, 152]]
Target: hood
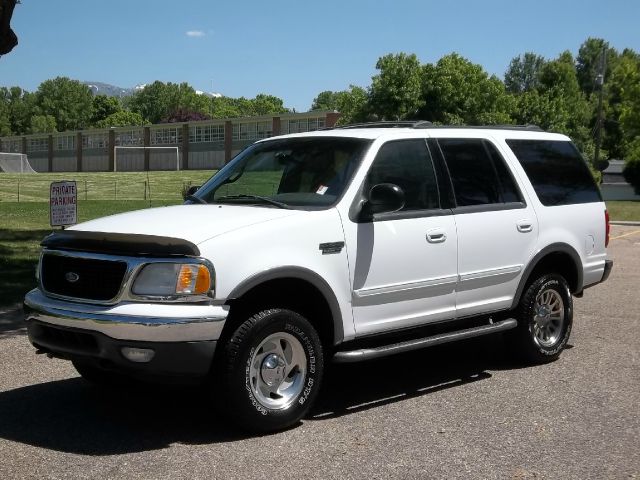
[[195, 223]]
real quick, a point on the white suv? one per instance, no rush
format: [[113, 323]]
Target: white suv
[[345, 244]]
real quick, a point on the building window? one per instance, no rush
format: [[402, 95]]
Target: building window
[[38, 144], [133, 137], [206, 133], [65, 142], [95, 140], [166, 136]]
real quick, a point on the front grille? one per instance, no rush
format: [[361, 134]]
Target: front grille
[[84, 278], [65, 340]]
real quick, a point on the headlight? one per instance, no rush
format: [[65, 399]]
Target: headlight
[[166, 279]]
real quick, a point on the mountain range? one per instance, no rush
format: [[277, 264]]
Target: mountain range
[[101, 88]]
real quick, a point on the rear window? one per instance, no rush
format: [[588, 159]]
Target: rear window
[[557, 171]]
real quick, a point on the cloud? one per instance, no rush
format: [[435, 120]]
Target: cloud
[[195, 33]]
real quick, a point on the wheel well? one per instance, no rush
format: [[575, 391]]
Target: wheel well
[[557, 262], [294, 294]]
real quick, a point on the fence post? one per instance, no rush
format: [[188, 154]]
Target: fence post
[[228, 140], [50, 152], [147, 143], [184, 164], [110, 144], [79, 165]]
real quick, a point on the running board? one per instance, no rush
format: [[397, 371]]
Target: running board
[[385, 350]]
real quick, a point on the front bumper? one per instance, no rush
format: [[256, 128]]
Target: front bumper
[[182, 336]]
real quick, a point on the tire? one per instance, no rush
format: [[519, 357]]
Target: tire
[[545, 319], [270, 370]]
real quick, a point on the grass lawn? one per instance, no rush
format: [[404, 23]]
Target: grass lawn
[[24, 212], [102, 185], [23, 225], [629, 210]]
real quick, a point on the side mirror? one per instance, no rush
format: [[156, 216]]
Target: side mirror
[[190, 191], [383, 198]]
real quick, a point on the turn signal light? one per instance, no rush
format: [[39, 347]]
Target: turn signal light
[[193, 279]]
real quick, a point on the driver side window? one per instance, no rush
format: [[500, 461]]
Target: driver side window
[[407, 164]]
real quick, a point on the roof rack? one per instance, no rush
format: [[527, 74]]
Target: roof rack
[[388, 124], [427, 124]]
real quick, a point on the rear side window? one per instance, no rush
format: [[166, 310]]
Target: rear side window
[[478, 173], [558, 173]]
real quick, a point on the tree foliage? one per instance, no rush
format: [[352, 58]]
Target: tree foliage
[[523, 73], [42, 124], [122, 118], [395, 92], [159, 100], [457, 91], [68, 101], [103, 107]]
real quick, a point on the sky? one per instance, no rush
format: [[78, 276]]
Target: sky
[[290, 48]]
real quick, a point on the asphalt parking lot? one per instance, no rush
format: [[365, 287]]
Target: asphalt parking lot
[[457, 411]]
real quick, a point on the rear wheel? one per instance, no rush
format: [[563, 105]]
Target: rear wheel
[[270, 370], [545, 318]]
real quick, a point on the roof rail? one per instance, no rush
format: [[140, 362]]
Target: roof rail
[[531, 128], [387, 124], [427, 124]]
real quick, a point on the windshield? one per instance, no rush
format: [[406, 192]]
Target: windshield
[[287, 173]]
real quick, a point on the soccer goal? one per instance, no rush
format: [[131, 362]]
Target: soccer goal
[[15, 163], [119, 151]]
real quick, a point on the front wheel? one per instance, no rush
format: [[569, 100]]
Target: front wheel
[[545, 318], [271, 369]]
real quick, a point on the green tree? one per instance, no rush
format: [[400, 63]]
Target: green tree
[[158, 100], [326, 100], [523, 72], [5, 119], [353, 105], [42, 124], [21, 107], [264, 104], [68, 101], [122, 118], [395, 92], [562, 107], [588, 63], [104, 106], [457, 91], [631, 170]]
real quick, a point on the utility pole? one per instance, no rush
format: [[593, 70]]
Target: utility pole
[[599, 121]]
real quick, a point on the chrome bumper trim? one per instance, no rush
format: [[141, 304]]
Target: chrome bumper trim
[[126, 327]]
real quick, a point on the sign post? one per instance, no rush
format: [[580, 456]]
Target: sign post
[[63, 204]]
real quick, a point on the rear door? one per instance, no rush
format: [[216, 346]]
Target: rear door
[[497, 228]]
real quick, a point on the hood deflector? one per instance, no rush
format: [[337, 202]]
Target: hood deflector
[[119, 243]]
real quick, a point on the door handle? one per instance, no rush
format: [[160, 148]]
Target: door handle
[[436, 235], [525, 226]]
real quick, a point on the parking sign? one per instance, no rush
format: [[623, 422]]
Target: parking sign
[[63, 204]]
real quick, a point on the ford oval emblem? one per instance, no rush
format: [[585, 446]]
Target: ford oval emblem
[[71, 277]]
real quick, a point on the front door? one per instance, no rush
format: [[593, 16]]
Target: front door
[[403, 264]]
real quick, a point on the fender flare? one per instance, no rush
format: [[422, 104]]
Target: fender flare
[[298, 273], [549, 249]]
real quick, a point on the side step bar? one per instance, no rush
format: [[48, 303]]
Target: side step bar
[[385, 350]]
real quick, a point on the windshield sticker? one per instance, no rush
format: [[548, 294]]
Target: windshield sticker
[[322, 189]]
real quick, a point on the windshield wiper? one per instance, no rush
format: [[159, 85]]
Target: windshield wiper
[[254, 197], [193, 198]]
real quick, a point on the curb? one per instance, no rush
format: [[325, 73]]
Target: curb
[[625, 223]]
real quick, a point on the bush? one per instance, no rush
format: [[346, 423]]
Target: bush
[[631, 170]]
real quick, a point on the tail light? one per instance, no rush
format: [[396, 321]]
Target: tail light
[[607, 228]]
